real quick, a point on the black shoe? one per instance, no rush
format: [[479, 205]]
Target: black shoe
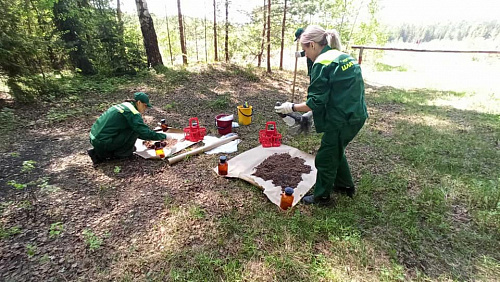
[[308, 200], [350, 192], [93, 156], [345, 190]]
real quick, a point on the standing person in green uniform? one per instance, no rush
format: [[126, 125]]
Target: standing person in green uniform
[[300, 54], [336, 95], [114, 133]]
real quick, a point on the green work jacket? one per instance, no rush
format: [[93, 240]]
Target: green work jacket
[[120, 123], [336, 94]]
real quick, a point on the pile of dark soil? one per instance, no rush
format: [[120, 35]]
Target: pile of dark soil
[[283, 170]]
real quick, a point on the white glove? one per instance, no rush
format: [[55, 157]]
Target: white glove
[[298, 54], [285, 108]]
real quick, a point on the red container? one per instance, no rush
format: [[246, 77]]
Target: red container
[[224, 127], [270, 137], [194, 132]]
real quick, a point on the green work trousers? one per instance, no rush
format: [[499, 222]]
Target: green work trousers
[[331, 162], [115, 150]]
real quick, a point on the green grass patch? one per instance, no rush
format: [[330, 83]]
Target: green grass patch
[[385, 67], [172, 77], [247, 73], [220, 103], [7, 232]]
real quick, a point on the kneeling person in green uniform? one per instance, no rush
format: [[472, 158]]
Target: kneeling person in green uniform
[[114, 133], [336, 96]]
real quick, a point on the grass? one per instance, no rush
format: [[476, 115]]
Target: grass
[[428, 206], [220, 103], [7, 232], [92, 241], [385, 67]]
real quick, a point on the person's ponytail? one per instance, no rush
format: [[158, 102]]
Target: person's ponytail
[[333, 39]]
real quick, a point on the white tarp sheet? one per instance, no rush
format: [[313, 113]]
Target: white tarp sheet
[[181, 144], [177, 134]]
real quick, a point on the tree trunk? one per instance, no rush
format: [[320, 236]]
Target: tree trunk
[[185, 28], [269, 36], [215, 32], [149, 34], [226, 49], [283, 36], [119, 11], [263, 36], [168, 36], [181, 32], [344, 11], [196, 40]]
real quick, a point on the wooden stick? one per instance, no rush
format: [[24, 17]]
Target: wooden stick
[[200, 150], [295, 73]]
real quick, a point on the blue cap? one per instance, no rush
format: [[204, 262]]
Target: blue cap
[[289, 191]]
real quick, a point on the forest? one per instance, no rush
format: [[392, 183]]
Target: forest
[[454, 31], [43, 41]]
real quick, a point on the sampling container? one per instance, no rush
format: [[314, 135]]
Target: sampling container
[[222, 166], [286, 198]]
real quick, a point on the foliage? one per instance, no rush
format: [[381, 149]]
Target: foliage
[[371, 31], [43, 184], [56, 229], [93, 241], [30, 249], [247, 73], [17, 186], [172, 76], [117, 169], [28, 166], [53, 36], [8, 118], [221, 103], [41, 38], [458, 31], [7, 232], [169, 106]]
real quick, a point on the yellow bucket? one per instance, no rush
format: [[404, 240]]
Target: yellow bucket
[[244, 115]]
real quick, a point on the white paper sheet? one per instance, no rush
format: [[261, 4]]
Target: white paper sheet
[[177, 134]]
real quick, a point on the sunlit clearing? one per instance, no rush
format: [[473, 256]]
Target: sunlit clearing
[[479, 102], [432, 121]]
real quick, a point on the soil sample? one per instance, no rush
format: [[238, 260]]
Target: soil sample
[[283, 170], [169, 143]]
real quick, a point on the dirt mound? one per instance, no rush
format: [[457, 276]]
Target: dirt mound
[[283, 170]]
